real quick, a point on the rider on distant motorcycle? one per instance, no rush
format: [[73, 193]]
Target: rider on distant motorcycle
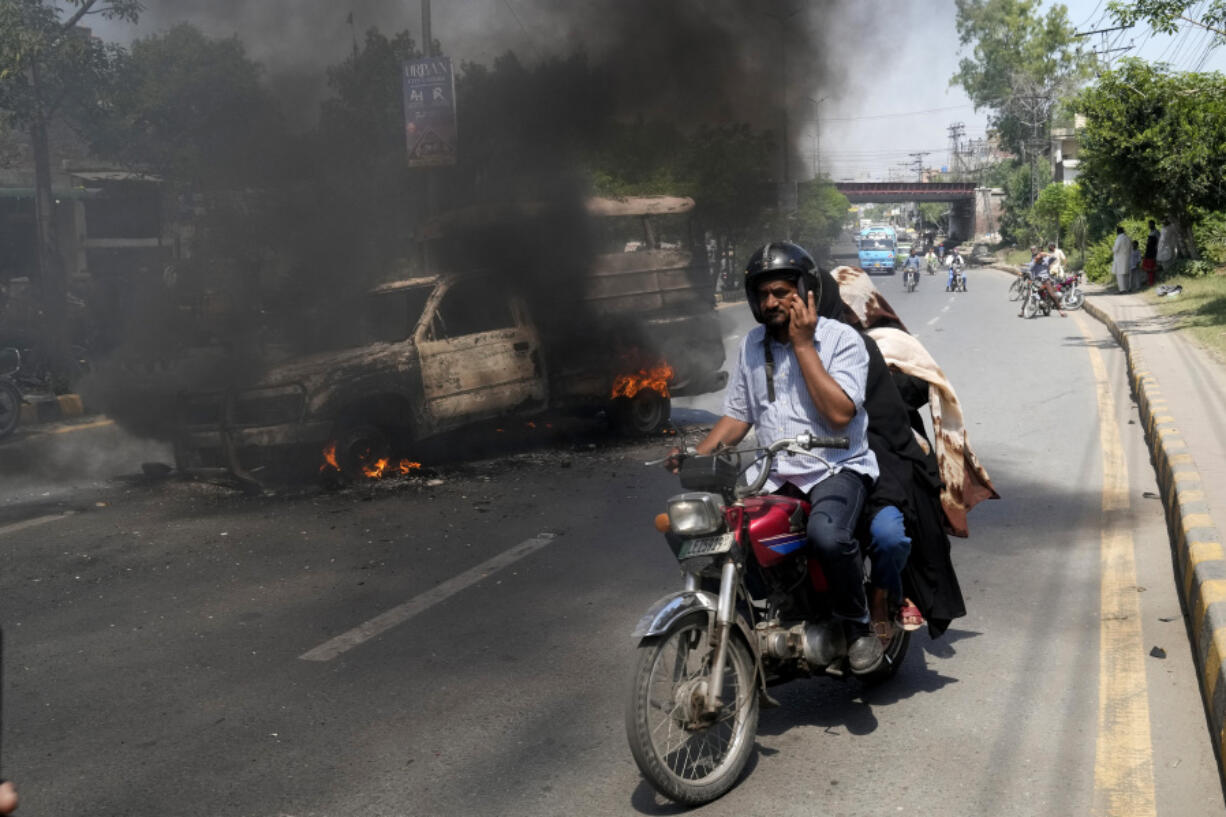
[[911, 266], [801, 373], [1040, 271], [956, 264]]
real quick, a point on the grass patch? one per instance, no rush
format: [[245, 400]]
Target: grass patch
[[1200, 309], [1015, 257]]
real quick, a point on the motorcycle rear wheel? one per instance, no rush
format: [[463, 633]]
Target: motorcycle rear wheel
[[10, 408], [895, 652], [686, 760], [1074, 298]]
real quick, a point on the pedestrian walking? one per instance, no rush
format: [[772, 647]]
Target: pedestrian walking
[[1121, 258], [1149, 261]]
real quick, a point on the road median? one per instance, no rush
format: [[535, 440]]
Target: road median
[[1199, 556]]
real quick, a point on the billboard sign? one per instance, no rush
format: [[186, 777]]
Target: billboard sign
[[429, 111]]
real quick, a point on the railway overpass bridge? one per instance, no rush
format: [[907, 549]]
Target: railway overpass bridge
[[975, 210]]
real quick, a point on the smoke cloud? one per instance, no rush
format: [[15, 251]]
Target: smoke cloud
[[689, 62]]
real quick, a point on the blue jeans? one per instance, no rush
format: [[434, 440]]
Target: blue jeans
[[888, 549], [834, 509]]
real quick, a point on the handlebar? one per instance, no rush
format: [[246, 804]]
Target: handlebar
[[800, 444]]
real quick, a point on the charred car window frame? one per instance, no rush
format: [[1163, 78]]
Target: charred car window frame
[[481, 306], [393, 315]]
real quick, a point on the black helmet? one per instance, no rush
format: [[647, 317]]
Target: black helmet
[[781, 259]]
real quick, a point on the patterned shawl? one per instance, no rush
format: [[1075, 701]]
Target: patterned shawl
[[965, 481]]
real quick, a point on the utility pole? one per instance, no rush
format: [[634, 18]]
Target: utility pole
[[427, 50], [427, 36], [955, 139], [917, 159], [817, 138], [787, 197]]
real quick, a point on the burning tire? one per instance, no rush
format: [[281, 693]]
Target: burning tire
[[359, 448], [644, 413]]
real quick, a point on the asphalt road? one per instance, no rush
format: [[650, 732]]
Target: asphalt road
[[159, 635]]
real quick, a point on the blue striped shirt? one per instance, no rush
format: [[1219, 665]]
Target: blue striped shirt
[[842, 352]]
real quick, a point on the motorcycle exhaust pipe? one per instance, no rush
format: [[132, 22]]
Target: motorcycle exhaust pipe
[[823, 643]]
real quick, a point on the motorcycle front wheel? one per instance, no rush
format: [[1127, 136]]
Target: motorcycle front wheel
[[1016, 289], [688, 757], [10, 408], [1030, 308]]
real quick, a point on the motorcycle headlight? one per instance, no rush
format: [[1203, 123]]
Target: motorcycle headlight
[[696, 514]]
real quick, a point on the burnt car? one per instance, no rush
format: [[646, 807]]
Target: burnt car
[[442, 351]]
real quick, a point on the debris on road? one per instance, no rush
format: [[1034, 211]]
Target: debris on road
[[1158, 652]]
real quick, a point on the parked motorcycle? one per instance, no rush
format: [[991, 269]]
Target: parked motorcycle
[[1071, 294], [754, 611], [10, 395]]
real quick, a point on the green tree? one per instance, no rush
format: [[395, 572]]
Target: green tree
[[1056, 207], [1020, 64], [1020, 181], [820, 215], [193, 110], [935, 213], [49, 66], [1165, 16], [1153, 142]]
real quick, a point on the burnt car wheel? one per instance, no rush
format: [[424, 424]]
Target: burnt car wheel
[[360, 447], [645, 413]]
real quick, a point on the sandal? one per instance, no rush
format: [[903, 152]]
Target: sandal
[[909, 616], [884, 631]]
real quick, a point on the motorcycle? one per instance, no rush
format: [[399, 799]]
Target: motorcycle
[[910, 279], [754, 612], [10, 396], [957, 279], [1036, 300], [1071, 294]]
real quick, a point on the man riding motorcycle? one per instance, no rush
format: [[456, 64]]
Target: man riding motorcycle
[[1040, 271], [911, 267], [956, 265], [799, 372]]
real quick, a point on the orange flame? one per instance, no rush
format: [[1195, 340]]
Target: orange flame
[[330, 458], [383, 467], [380, 468], [655, 378]]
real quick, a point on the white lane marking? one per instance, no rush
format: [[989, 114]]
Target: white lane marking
[[944, 309], [26, 524], [402, 613]]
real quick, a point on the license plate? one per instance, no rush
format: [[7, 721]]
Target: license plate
[[707, 546]]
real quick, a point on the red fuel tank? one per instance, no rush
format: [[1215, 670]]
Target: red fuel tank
[[776, 526]]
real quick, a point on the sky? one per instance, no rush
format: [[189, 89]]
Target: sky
[[876, 95]]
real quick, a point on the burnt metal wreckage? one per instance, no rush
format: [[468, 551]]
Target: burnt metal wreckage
[[449, 349]]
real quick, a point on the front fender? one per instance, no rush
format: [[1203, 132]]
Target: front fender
[[664, 612]]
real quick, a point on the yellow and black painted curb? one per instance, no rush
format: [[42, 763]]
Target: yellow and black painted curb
[[52, 409], [1200, 560]]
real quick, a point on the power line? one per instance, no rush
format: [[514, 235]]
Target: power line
[[898, 113]]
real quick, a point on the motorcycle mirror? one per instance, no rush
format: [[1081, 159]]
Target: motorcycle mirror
[[10, 360]]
